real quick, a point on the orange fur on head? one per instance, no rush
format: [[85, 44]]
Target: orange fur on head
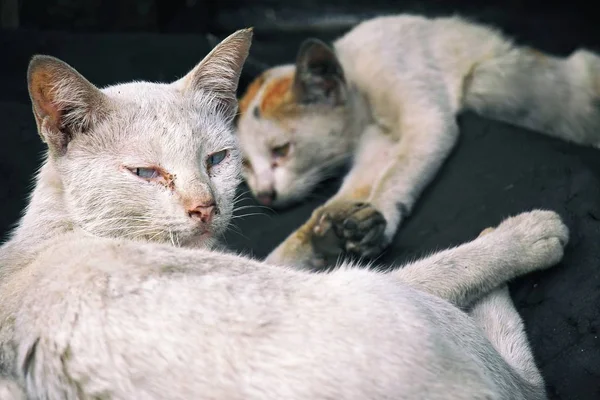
[[278, 97], [250, 93]]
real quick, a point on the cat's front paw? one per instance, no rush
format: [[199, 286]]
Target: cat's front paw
[[352, 228], [536, 238]]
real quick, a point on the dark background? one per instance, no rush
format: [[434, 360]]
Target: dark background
[[496, 170]]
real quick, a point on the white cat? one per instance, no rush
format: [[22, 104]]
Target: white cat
[[385, 98], [108, 289]]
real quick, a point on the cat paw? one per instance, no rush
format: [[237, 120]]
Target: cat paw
[[353, 228], [536, 238]]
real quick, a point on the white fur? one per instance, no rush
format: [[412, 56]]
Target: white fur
[[87, 311]]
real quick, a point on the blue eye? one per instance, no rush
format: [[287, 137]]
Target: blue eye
[[146, 173], [216, 158]]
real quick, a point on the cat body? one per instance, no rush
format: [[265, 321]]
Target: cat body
[[98, 317], [109, 287], [385, 99]]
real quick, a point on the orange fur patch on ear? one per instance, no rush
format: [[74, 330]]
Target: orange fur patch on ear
[[250, 93], [43, 96], [539, 56], [278, 98]]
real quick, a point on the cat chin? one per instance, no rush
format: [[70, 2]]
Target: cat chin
[[286, 200], [205, 240], [286, 203], [292, 197]]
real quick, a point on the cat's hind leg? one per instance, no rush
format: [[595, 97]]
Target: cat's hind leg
[[497, 316], [559, 96], [501, 323]]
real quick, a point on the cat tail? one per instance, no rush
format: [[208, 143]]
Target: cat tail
[[554, 95]]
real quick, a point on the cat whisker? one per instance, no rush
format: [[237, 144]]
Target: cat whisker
[[251, 206], [237, 201], [138, 231], [106, 216], [240, 204], [266, 208], [237, 230], [241, 195], [156, 234], [145, 234], [248, 215], [124, 228]]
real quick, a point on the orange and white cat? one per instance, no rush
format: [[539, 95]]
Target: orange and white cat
[[385, 99]]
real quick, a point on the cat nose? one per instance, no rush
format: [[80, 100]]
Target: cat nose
[[266, 197], [203, 212]]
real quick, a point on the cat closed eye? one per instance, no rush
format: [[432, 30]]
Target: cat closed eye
[[216, 158], [246, 163], [146, 173], [281, 151]]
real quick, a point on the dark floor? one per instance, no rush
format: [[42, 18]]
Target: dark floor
[[497, 170]]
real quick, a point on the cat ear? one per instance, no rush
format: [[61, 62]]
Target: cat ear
[[219, 72], [64, 102], [319, 75]]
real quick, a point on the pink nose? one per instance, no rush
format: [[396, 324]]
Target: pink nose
[[203, 212]]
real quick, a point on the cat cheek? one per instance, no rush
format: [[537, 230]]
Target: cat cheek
[[216, 169]]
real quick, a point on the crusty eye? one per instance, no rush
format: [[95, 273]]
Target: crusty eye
[[146, 173], [281, 151], [155, 175]]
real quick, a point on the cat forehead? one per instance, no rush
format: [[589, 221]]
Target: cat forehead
[[270, 96], [166, 101], [147, 95], [157, 109]]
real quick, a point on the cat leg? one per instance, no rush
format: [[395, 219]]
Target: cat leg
[[391, 168], [392, 177], [501, 323], [521, 244], [322, 236], [315, 245]]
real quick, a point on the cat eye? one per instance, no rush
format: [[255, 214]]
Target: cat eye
[[246, 163], [216, 158], [146, 173], [281, 151], [155, 175]]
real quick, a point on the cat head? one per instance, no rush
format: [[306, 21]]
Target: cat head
[[291, 125], [148, 161]]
